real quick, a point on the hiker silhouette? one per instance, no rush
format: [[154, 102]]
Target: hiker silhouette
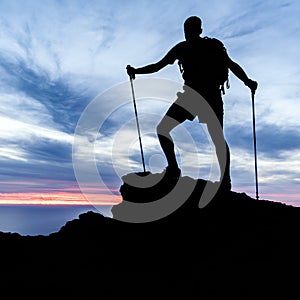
[[204, 64]]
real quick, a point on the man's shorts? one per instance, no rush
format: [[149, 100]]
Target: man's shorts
[[178, 113], [187, 108]]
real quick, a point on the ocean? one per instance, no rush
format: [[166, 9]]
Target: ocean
[[41, 219]]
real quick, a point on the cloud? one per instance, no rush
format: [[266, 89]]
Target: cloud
[[272, 141], [57, 56]]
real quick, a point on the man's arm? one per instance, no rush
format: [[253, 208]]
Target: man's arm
[[152, 68], [241, 74], [168, 59]]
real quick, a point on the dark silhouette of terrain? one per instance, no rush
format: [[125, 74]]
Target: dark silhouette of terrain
[[234, 248]]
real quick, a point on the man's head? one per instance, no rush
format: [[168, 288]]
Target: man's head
[[192, 27]]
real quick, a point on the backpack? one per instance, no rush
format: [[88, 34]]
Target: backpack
[[206, 60]]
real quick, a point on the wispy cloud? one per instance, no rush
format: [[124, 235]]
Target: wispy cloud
[[57, 56]]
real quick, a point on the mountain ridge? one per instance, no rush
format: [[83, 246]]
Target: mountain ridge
[[236, 246]]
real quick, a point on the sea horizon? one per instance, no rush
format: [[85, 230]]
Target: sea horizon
[[34, 219]]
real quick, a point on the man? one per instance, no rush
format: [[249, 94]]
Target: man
[[191, 55]]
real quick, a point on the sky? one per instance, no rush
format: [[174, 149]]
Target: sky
[[57, 57]]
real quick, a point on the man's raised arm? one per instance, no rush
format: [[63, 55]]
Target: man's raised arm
[[241, 74], [152, 68]]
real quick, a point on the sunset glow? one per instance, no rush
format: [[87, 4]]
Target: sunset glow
[[61, 198]]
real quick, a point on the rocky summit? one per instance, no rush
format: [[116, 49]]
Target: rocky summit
[[235, 247]]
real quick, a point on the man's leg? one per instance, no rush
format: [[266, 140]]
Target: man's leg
[[163, 132], [175, 115], [222, 151]]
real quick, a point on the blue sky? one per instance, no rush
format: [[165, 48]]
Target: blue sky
[[57, 56]]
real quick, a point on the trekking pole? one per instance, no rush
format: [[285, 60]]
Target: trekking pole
[[137, 123], [254, 139]]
